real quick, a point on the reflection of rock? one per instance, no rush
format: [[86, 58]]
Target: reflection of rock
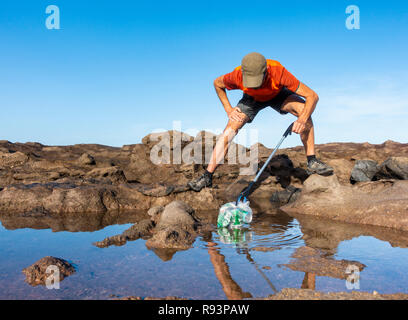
[[76, 222], [36, 274], [307, 294], [364, 170], [380, 203], [165, 254], [326, 234], [311, 260]]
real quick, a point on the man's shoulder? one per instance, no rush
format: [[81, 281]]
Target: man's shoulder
[[274, 63]]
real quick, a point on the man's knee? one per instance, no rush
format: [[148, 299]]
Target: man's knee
[[235, 126]]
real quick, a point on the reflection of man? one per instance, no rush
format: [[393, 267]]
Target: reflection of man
[[231, 289], [309, 281], [265, 83]]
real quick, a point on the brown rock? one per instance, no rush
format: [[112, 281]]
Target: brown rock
[[381, 203], [36, 274]]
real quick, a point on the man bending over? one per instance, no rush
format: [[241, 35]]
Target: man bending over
[[265, 83]]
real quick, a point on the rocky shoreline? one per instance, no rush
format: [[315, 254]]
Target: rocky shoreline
[[50, 181]]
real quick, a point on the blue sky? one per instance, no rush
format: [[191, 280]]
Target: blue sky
[[118, 70]]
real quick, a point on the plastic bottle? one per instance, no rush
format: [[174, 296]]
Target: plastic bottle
[[234, 216], [224, 217]]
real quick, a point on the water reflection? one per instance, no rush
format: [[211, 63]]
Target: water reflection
[[272, 239]]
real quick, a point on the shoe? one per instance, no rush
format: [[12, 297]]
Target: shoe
[[202, 182], [319, 167]]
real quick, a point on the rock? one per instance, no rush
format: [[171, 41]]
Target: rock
[[289, 195], [364, 170], [308, 294], [155, 212], [380, 203], [342, 168], [36, 274], [58, 198], [394, 168], [318, 184], [86, 160], [310, 260], [113, 174], [138, 230], [155, 190], [176, 228], [14, 159], [177, 213], [117, 240]]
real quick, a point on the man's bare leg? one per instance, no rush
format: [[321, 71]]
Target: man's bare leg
[[218, 154], [294, 105], [223, 143]]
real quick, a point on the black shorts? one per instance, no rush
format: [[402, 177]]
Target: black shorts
[[251, 107]]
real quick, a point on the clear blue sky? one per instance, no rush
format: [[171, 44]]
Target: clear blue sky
[[117, 70]]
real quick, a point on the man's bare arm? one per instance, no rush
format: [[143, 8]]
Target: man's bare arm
[[233, 113], [310, 105]]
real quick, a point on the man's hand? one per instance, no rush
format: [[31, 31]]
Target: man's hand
[[237, 115], [299, 126]]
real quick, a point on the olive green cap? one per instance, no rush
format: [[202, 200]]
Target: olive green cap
[[253, 68]]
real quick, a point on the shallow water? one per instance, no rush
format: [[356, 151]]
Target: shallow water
[[211, 269]]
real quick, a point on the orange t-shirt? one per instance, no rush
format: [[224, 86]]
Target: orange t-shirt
[[277, 77]]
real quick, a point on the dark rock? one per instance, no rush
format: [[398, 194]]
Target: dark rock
[[394, 168], [36, 273], [364, 170], [289, 195]]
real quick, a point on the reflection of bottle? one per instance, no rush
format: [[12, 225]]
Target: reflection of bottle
[[238, 237]]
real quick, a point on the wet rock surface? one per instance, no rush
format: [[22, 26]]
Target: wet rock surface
[[36, 274]]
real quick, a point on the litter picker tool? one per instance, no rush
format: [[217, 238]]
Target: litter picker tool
[[244, 194]]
